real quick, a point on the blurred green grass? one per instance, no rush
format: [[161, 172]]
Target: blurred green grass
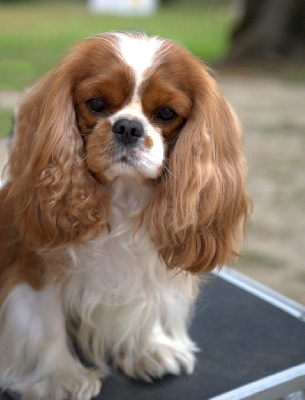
[[6, 120], [35, 35]]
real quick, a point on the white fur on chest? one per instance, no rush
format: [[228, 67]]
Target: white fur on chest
[[120, 292], [119, 265], [120, 303]]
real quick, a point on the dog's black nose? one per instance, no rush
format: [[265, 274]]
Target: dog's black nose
[[127, 131]]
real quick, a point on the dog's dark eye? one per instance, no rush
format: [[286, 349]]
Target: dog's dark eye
[[96, 105], [166, 114]]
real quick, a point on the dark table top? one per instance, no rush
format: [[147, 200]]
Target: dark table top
[[242, 339]]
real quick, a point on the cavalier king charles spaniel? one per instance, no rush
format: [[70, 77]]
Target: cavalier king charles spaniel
[[125, 181]]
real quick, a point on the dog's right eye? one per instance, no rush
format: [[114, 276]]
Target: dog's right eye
[[96, 105]]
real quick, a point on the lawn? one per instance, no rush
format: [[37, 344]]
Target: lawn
[[35, 35]]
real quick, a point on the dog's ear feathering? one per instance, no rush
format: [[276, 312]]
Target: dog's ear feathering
[[56, 199], [198, 214], [125, 178]]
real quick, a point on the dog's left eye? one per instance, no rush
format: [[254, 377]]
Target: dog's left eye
[[96, 105], [166, 114]]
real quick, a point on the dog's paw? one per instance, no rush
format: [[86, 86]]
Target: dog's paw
[[159, 358], [66, 386]]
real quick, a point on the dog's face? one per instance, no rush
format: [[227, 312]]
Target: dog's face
[[130, 105]]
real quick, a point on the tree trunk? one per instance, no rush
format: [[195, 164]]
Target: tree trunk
[[269, 29]]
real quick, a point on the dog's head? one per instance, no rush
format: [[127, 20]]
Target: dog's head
[[130, 105]]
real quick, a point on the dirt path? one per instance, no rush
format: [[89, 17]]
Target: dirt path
[[273, 116]]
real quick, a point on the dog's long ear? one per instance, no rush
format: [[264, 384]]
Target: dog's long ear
[[197, 215], [8, 233], [56, 199]]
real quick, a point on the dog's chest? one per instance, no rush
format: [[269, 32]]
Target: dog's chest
[[122, 263]]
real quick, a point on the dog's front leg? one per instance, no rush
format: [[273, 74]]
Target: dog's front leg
[[157, 342], [35, 357]]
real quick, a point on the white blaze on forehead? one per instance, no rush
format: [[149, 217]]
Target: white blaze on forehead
[[139, 52], [142, 54]]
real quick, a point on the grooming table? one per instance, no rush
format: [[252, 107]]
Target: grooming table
[[252, 343]]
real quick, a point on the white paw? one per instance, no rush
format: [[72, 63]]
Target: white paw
[[160, 358], [66, 386]]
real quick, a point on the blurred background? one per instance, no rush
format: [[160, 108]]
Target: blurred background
[[258, 50]]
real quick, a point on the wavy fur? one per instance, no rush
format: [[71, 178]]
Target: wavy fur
[[103, 230]]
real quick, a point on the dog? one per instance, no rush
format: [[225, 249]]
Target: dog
[[125, 183]]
